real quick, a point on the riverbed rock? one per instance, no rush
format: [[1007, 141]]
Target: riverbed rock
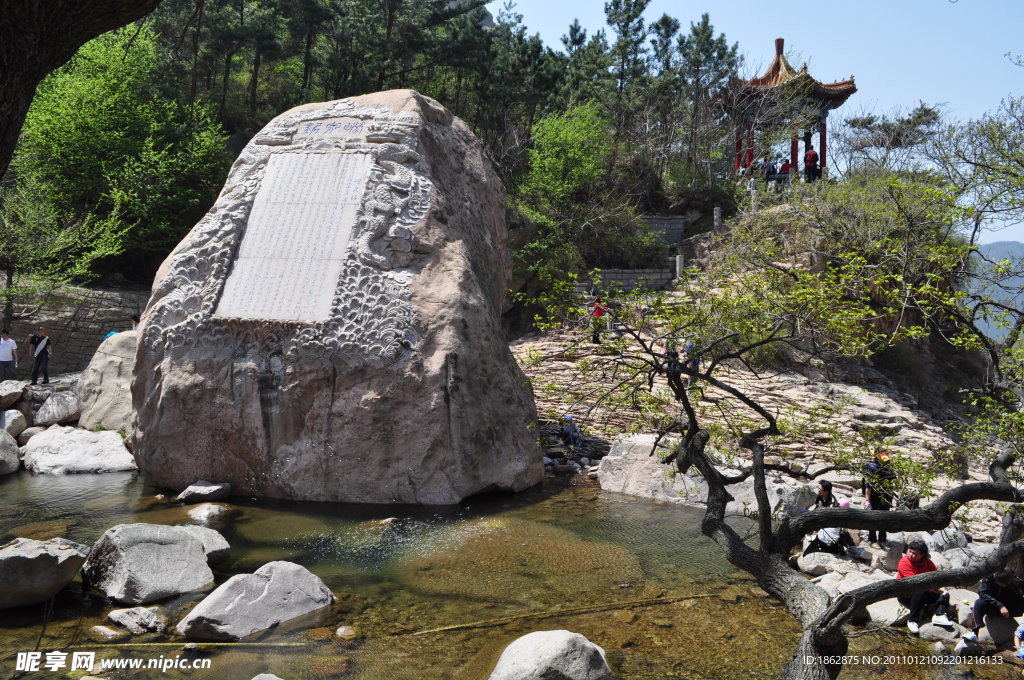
[[819, 563], [551, 655], [68, 450], [34, 571], [10, 393], [248, 603], [104, 388], [140, 563], [947, 539], [9, 454], [139, 620], [59, 407], [629, 468], [364, 360], [28, 433], [208, 512], [107, 634], [204, 492], [13, 422], [888, 612], [215, 545], [997, 631]]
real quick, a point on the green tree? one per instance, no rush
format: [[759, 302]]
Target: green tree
[[100, 139], [43, 250], [582, 221]]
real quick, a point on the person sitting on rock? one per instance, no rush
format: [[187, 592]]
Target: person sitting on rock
[[1001, 594], [824, 497], [832, 540], [570, 434], [915, 561]]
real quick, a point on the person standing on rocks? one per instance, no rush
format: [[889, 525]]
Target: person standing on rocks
[[8, 357], [915, 561], [41, 348], [596, 321], [811, 172], [879, 480], [1001, 594]]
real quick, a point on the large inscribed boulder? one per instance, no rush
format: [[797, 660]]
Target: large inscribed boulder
[[330, 331]]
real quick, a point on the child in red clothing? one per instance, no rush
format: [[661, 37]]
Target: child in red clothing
[[915, 561]]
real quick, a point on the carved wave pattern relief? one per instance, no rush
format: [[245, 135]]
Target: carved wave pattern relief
[[371, 319]]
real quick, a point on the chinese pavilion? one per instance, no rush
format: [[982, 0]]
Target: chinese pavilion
[[805, 100]]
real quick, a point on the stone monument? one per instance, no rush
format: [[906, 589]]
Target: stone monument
[[329, 331]]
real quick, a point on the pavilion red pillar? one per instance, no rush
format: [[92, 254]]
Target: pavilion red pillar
[[739, 149], [794, 153], [750, 145], [821, 149]]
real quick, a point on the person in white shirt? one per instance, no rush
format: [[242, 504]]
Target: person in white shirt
[[8, 357]]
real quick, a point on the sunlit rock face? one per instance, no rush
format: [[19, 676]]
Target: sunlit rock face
[[330, 330]]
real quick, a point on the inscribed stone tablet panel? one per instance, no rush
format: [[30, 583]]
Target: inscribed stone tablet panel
[[296, 238]]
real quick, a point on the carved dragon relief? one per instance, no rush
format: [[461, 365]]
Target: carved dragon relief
[[371, 320]]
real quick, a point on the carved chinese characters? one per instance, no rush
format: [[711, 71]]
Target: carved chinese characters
[[296, 239]]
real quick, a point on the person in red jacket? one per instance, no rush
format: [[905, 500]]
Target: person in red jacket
[[596, 322], [811, 164], [915, 561]]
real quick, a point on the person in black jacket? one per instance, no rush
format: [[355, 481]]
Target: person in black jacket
[[825, 497], [1002, 594]]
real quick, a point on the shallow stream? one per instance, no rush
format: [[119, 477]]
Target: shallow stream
[[437, 593]]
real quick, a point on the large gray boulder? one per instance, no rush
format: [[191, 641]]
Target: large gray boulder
[[68, 450], [248, 603], [34, 571], [630, 468], [10, 393], [13, 422], [9, 457], [330, 330], [59, 407], [140, 563], [105, 387], [551, 655]]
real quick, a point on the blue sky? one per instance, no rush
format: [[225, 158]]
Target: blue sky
[[899, 51]]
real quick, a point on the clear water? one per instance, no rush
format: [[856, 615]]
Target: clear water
[[437, 593]]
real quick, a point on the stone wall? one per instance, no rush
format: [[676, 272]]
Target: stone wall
[[77, 323], [630, 279], [671, 227]]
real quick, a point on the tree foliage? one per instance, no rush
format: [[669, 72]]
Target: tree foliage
[[101, 140]]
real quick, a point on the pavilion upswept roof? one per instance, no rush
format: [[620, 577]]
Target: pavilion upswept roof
[[781, 73]]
